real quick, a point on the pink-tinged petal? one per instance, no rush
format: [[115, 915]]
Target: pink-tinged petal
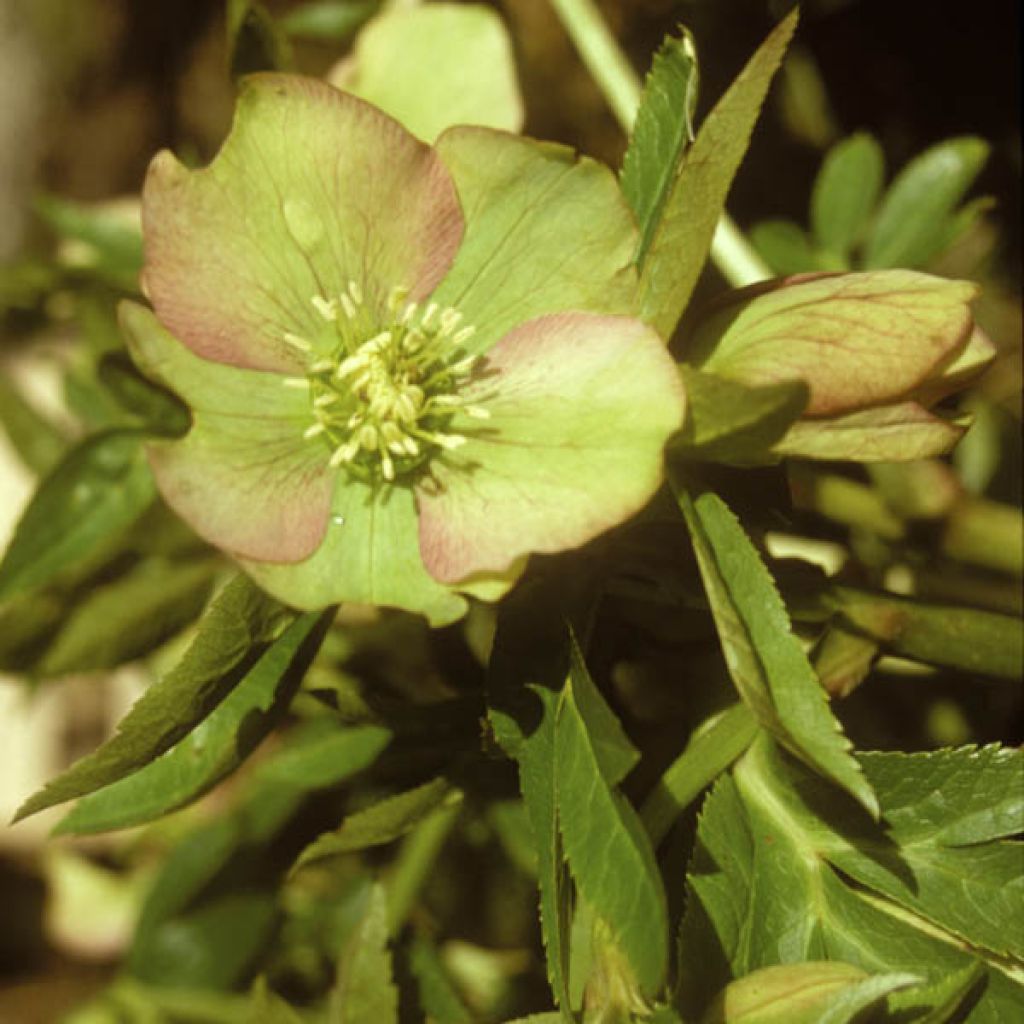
[[313, 188], [856, 339], [369, 556], [243, 478], [546, 231], [887, 433], [581, 406]]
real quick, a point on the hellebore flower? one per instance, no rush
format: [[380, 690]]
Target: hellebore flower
[[408, 368], [874, 351]]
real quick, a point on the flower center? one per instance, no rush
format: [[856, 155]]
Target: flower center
[[383, 403]]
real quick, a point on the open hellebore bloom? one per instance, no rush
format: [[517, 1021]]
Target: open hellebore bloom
[[407, 367], [874, 350]]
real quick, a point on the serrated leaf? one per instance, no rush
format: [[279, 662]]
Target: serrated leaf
[[528, 666], [91, 497], [240, 623], [255, 43], [914, 216], [850, 1004], [845, 193], [216, 747], [682, 237], [938, 1001], [765, 891], [662, 132], [365, 990], [952, 797], [766, 661], [383, 822], [129, 617], [735, 423], [603, 837]]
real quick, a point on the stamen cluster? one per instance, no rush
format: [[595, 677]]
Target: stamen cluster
[[383, 404]]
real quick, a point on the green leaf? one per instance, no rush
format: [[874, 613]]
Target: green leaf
[[952, 797], [710, 751], [224, 739], [661, 134], [239, 625], [332, 21], [324, 756], [439, 998], [937, 1002], [784, 871], [845, 193], [735, 423], [90, 498], [383, 822], [915, 213], [968, 639], [108, 237], [682, 238], [850, 1004], [36, 441], [128, 618], [784, 246], [365, 990], [255, 43], [604, 839], [528, 667], [161, 412], [396, 66], [766, 661]]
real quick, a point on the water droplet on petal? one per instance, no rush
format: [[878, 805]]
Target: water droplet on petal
[[338, 520]]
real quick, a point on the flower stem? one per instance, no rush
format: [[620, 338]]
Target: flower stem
[[731, 253]]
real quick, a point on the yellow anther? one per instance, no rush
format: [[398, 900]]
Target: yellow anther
[[449, 320], [407, 314], [356, 292], [428, 315], [348, 306], [396, 297], [296, 342], [296, 382], [327, 399], [321, 366], [477, 412], [327, 308], [317, 428], [377, 342], [464, 335], [343, 453], [387, 467], [368, 437]]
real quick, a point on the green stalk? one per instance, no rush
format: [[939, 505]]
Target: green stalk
[[731, 253]]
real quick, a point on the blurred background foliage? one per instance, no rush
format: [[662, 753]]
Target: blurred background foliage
[[90, 90]]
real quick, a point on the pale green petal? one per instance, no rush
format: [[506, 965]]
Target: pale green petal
[[580, 409], [856, 339], [436, 66], [890, 433], [546, 231], [243, 477], [369, 556], [312, 189]]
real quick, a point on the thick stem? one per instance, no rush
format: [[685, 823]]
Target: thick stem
[[731, 253]]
